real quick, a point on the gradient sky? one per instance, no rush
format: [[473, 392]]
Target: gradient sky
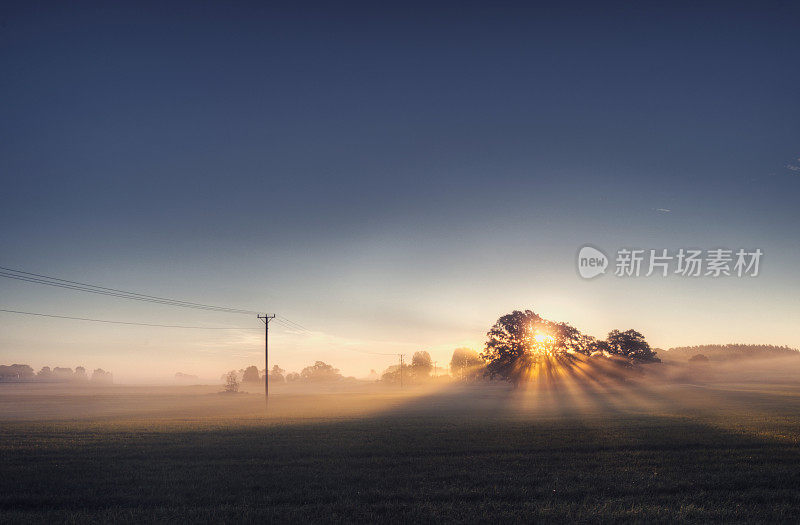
[[392, 177]]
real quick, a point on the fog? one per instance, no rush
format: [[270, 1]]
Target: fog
[[585, 388]]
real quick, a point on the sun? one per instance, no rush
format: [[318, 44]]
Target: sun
[[542, 338]]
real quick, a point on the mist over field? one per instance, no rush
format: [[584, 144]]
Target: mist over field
[[669, 442], [590, 388], [371, 262], [544, 423]]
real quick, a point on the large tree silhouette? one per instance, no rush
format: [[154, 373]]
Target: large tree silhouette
[[508, 353], [521, 340]]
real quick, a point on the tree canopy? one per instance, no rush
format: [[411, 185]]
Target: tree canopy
[[394, 374], [16, 371], [521, 340], [276, 375], [421, 365], [630, 344], [320, 371], [22, 372], [251, 375], [465, 364]]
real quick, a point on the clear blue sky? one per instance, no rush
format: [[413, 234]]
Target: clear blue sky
[[392, 176]]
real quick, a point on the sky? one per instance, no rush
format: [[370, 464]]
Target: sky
[[391, 176]]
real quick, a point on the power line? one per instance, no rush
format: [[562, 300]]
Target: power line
[[129, 322], [367, 352], [293, 328], [162, 326], [289, 324], [298, 325], [30, 277], [20, 275], [119, 293]]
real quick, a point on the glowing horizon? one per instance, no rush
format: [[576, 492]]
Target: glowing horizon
[[388, 196]]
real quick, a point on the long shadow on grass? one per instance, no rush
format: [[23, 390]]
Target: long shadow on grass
[[588, 447]]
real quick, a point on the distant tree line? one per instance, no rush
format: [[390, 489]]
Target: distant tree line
[[319, 372], [730, 352], [18, 372]]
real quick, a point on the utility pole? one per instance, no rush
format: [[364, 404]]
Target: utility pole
[[401, 370], [266, 318]]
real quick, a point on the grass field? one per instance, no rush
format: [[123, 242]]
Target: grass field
[[477, 454]]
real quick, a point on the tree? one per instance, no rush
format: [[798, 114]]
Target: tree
[[598, 348], [80, 374], [291, 377], [16, 371], [251, 375], [392, 374], [631, 345], [421, 365], [465, 363], [698, 359], [231, 382], [320, 371], [509, 346], [44, 373], [62, 374], [101, 376], [276, 375], [521, 340], [568, 339]]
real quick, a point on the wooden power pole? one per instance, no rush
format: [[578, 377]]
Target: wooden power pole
[[266, 318], [401, 370]]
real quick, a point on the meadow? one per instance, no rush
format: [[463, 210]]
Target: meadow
[[624, 451]]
